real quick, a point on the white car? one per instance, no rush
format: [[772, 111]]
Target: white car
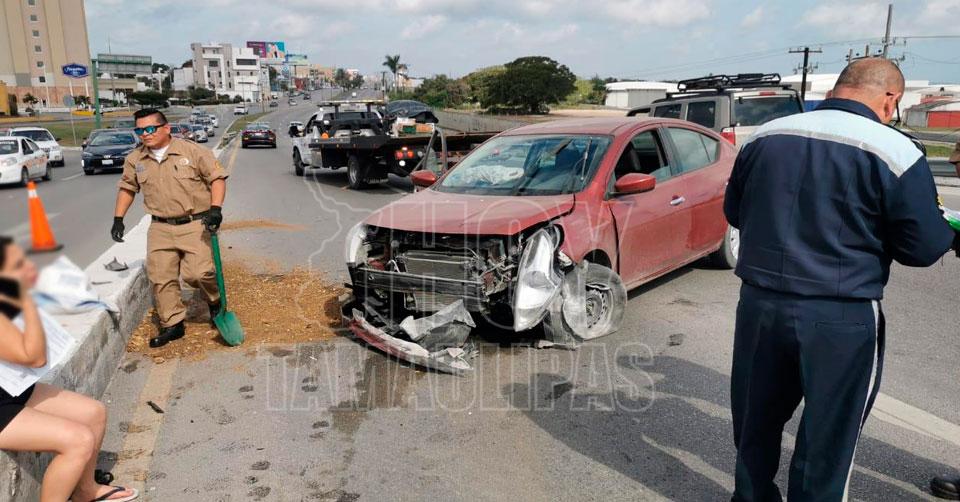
[[213, 118], [41, 137], [22, 160], [240, 110]]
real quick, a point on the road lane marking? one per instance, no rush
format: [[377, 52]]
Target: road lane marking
[[136, 454], [898, 413], [75, 176]]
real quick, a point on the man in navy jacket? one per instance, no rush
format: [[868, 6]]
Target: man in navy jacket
[[824, 201]]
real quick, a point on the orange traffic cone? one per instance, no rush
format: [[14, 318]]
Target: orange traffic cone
[[43, 240]]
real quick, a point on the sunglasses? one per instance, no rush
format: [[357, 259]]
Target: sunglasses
[[140, 131]]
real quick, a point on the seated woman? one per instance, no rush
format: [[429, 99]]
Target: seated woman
[[45, 418]]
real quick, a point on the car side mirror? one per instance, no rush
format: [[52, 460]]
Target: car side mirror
[[423, 179], [634, 183]]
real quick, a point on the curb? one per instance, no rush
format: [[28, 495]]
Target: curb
[[102, 340], [943, 181]]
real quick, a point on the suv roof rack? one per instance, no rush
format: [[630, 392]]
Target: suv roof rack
[[719, 83]]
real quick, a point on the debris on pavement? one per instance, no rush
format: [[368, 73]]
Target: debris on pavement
[[449, 360], [154, 406], [676, 339], [116, 265], [259, 224], [449, 327], [275, 306]]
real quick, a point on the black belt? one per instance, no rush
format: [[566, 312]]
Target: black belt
[[182, 220]]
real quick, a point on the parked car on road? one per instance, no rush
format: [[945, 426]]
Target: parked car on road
[[292, 102], [106, 151], [240, 110], [733, 105], [22, 160], [274, 104], [549, 223], [258, 133], [44, 139]]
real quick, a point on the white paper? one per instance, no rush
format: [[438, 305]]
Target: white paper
[[16, 379]]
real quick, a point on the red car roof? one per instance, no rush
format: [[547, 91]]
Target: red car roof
[[605, 125]]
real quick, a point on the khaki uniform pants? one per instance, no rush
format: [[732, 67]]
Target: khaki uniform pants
[[175, 251]]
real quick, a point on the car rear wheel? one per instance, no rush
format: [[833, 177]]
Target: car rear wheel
[[24, 177], [726, 256], [297, 163], [46, 172], [356, 172]]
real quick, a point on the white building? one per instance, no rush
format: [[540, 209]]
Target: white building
[[225, 69], [628, 95], [182, 79], [819, 84]]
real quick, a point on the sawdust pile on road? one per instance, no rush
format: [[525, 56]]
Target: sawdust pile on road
[[258, 224], [274, 306]]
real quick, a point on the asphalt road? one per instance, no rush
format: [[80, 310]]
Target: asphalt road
[[642, 414]]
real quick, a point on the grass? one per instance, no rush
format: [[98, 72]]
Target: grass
[[63, 131], [938, 150]]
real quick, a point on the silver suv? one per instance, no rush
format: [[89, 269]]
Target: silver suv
[[733, 105]]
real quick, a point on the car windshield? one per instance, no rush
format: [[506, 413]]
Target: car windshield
[[113, 140], [528, 165], [36, 135], [762, 109], [8, 147]]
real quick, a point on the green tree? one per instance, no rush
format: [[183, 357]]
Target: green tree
[[529, 84], [30, 99], [393, 64], [479, 81], [356, 82], [442, 92], [199, 94], [148, 98], [341, 78]]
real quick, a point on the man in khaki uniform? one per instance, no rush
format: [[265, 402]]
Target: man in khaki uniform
[[183, 188]]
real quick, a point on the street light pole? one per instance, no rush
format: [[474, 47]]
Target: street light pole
[[96, 94]]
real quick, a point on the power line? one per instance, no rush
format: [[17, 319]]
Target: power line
[[805, 68]]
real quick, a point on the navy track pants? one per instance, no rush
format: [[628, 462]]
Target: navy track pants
[[826, 351]]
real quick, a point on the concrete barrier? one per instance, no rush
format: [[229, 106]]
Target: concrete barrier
[[102, 340], [471, 122]]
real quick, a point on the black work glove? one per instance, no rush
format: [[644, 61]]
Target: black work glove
[[213, 218], [956, 243], [117, 230]]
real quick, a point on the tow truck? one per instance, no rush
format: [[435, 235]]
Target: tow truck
[[355, 134]]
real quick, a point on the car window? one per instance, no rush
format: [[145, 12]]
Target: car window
[[26, 147], [36, 135], [702, 113], [754, 111], [528, 165], [694, 150], [668, 111], [123, 139], [644, 154], [8, 147]]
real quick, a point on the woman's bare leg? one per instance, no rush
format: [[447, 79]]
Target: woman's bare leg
[[72, 444], [78, 408]]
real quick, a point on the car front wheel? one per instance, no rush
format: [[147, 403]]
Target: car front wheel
[[599, 313], [297, 163], [46, 172]]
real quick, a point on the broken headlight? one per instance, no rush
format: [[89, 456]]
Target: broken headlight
[[356, 250], [538, 279]]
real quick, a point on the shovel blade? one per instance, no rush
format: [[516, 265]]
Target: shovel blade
[[229, 327]]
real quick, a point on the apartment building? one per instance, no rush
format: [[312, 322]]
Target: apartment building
[[225, 69]]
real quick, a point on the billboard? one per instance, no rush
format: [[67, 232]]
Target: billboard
[[297, 59], [273, 52]]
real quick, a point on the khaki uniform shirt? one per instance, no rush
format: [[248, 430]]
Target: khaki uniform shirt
[[180, 185]]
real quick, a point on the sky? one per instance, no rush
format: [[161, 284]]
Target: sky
[[625, 39]]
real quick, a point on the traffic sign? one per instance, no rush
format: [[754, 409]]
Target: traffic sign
[[74, 70]]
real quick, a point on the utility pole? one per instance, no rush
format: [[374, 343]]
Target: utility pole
[[806, 68], [886, 37]]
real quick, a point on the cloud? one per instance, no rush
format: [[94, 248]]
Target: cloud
[[938, 15], [423, 27], [656, 13], [849, 20], [752, 19]]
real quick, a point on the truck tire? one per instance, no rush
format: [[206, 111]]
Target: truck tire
[[356, 172], [726, 256], [297, 163]]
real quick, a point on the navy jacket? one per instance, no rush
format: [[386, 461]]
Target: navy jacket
[[825, 200]]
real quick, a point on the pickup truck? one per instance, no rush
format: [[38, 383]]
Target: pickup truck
[[355, 135]]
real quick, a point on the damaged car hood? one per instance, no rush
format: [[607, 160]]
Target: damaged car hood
[[430, 211]]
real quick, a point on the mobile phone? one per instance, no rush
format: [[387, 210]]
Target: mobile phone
[[10, 288]]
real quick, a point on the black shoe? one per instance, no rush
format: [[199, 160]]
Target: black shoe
[[168, 335], [214, 310], [946, 488]]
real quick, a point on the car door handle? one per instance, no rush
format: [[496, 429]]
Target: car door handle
[[677, 201]]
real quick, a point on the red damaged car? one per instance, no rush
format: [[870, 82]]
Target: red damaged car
[[549, 223]]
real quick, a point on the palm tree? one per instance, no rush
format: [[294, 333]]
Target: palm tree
[[393, 63], [30, 99]]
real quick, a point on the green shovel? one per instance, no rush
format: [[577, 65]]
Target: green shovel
[[226, 321]]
